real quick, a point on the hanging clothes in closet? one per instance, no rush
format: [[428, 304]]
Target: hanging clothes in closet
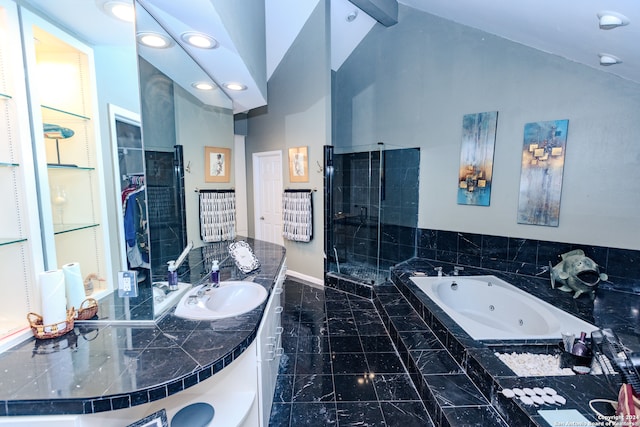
[[297, 215], [136, 232], [217, 215]]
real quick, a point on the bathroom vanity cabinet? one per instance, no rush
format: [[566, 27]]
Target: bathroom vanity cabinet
[[50, 180], [108, 375]]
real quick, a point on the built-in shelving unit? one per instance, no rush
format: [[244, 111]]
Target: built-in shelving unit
[[20, 248], [67, 151], [50, 165]]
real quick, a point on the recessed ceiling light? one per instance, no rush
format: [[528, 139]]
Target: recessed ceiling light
[[203, 85], [235, 86], [120, 9], [200, 40], [608, 20], [607, 59], [155, 40]]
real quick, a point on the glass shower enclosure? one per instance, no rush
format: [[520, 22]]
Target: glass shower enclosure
[[372, 210]]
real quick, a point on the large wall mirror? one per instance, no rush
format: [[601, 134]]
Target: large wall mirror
[[152, 93]]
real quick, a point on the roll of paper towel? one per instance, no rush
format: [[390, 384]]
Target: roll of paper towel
[[53, 295], [74, 285]]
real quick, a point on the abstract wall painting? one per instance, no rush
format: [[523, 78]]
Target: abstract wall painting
[[476, 158], [542, 168]]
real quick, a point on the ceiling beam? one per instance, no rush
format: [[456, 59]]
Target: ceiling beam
[[383, 11]]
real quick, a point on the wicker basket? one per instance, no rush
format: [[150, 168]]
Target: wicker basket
[[55, 330], [88, 308]]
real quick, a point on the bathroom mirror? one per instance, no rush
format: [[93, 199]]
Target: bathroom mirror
[[116, 54]]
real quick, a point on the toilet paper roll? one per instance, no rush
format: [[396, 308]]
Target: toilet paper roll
[[74, 285], [53, 297]]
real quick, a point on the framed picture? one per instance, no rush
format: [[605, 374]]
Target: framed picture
[[541, 175], [157, 419], [217, 164], [476, 158], [298, 164]]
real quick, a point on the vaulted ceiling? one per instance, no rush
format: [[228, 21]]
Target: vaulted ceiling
[[565, 28]]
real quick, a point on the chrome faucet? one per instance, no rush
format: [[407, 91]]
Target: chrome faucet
[[456, 270]]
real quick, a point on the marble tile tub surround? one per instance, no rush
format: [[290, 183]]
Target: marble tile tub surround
[[101, 367], [418, 325], [527, 257]]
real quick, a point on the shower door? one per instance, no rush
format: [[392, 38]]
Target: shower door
[[373, 206]]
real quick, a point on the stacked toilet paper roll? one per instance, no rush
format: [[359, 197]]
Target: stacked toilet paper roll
[[74, 286], [53, 297]]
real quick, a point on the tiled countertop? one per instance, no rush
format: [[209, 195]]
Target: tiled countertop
[[610, 309], [107, 366]]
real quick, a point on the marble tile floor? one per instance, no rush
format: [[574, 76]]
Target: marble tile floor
[[339, 366]]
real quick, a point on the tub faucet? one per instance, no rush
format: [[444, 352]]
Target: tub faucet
[[456, 270]]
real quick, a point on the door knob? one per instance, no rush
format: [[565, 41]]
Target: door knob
[[262, 218]]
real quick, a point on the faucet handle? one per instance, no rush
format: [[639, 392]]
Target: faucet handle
[[439, 270], [457, 270]]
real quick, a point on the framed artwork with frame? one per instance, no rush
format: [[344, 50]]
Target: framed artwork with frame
[[298, 164], [217, 164]]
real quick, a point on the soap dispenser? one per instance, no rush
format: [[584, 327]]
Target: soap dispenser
[[214, 277], [172, 276]]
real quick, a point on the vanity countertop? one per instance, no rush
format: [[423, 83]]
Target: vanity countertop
[[103, 366]]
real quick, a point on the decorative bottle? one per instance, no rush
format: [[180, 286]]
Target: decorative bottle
[[580, 346], [214, 277]]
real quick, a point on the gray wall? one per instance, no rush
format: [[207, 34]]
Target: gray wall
[[298, 114], [410, 84]]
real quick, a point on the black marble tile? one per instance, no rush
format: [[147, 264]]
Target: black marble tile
[[420, 340], [342, 327], [349, 363], [406, 414], [454, 390], [384, 363], [381, 343], [313, 363], [312, 413], [484, 416], [313, 388], [432, 362], [410, 322], [313, 344], [287, 364], [284, 389], [395, 387], [280, 415], [360, 414], [354, 387], [345, 344]]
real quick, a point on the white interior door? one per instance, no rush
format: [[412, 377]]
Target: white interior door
[[267, 196]]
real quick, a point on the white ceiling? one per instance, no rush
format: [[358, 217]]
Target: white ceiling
[[565, 28]]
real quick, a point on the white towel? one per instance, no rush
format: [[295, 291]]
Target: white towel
[[297, 211]]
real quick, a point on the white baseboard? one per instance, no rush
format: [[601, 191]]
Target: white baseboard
[[312, 280]]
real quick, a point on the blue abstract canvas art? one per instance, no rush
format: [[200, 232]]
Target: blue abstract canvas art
[[542, 169], [476, 158]]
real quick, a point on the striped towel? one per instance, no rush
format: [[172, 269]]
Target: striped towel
[[297, 210], [217, 215]]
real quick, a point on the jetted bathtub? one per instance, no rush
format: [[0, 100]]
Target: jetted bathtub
[[488, 308]]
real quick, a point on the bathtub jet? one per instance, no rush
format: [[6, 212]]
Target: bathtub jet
[[488, 308]]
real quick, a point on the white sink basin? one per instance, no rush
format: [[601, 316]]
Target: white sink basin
[[162, 299], [232, 298]]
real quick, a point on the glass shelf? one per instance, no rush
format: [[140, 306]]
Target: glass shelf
[[8, 165], [68, 113], [67, 228], [69, 167], [5, 96], [4, 241]]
